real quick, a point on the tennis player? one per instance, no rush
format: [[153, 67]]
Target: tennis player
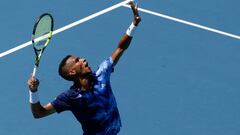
[[90, 98]]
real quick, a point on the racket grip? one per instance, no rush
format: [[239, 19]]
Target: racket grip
[[34, 71]]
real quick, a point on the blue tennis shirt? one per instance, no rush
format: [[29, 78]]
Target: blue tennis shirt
[[95, 109]]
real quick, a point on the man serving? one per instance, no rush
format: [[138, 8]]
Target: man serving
[[90, 98]]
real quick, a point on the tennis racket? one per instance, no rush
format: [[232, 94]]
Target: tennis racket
[[41, 35]]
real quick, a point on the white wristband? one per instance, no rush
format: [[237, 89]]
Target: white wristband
[[33, 97], [131, 29]]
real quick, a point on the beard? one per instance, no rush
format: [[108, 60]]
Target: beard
[[86, 73]]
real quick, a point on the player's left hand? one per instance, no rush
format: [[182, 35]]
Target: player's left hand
[[137, 18]]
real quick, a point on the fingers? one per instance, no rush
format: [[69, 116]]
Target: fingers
[[134, 8], [33, 84], [137, 17]]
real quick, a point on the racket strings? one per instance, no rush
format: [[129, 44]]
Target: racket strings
[[41, 35], [44, 26]]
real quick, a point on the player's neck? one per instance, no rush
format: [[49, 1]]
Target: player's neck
[[84, 83]]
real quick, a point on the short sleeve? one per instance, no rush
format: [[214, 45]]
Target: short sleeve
[[61, 103], [106, 67]]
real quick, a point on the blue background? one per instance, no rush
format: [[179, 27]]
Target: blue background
[[173, 80]]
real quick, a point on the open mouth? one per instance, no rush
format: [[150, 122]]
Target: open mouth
[[86, 65]]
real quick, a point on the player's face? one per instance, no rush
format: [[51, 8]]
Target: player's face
[[79, 66]]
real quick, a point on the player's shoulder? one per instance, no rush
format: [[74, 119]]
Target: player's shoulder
[[104, 66], [68, 92]]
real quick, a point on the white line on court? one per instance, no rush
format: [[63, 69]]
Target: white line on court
[[68, 26], [187, 22], [115, 7]]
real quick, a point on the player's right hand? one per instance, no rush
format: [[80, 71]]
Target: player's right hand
[[33, 84]]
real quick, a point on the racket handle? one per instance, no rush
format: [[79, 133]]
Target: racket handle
[[34, 71]]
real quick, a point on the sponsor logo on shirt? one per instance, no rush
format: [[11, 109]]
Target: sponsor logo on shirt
[[79, 96], [103, 85]]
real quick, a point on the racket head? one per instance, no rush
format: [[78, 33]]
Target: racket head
[[42, 31]]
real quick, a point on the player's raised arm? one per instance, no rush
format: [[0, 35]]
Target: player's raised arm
[[126, 39], [37, 109]]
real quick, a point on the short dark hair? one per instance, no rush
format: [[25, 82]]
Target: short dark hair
[[62, 70]]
